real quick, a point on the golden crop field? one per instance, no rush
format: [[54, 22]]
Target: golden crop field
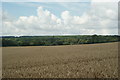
[[69, 61]]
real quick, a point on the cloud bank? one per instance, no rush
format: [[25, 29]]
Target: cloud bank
[[100, 19], [59, 0]]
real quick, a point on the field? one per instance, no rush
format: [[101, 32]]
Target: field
[[66, 61]]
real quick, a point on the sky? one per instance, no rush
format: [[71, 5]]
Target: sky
[[59, 18]]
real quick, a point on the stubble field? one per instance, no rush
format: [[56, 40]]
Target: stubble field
[[71, 61]]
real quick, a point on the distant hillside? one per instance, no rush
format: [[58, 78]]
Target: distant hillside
[[56, 40]]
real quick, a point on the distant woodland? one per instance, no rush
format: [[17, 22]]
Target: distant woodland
[[56, 40]]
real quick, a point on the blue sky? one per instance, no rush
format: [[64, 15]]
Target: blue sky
[[17, 9], [59, 18]]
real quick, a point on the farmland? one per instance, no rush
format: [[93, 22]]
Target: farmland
[[65, 61]]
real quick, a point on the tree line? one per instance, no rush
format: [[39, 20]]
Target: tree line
[[57, 40]]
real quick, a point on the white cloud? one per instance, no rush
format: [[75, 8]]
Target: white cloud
[[105, 0], [100, 19]]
